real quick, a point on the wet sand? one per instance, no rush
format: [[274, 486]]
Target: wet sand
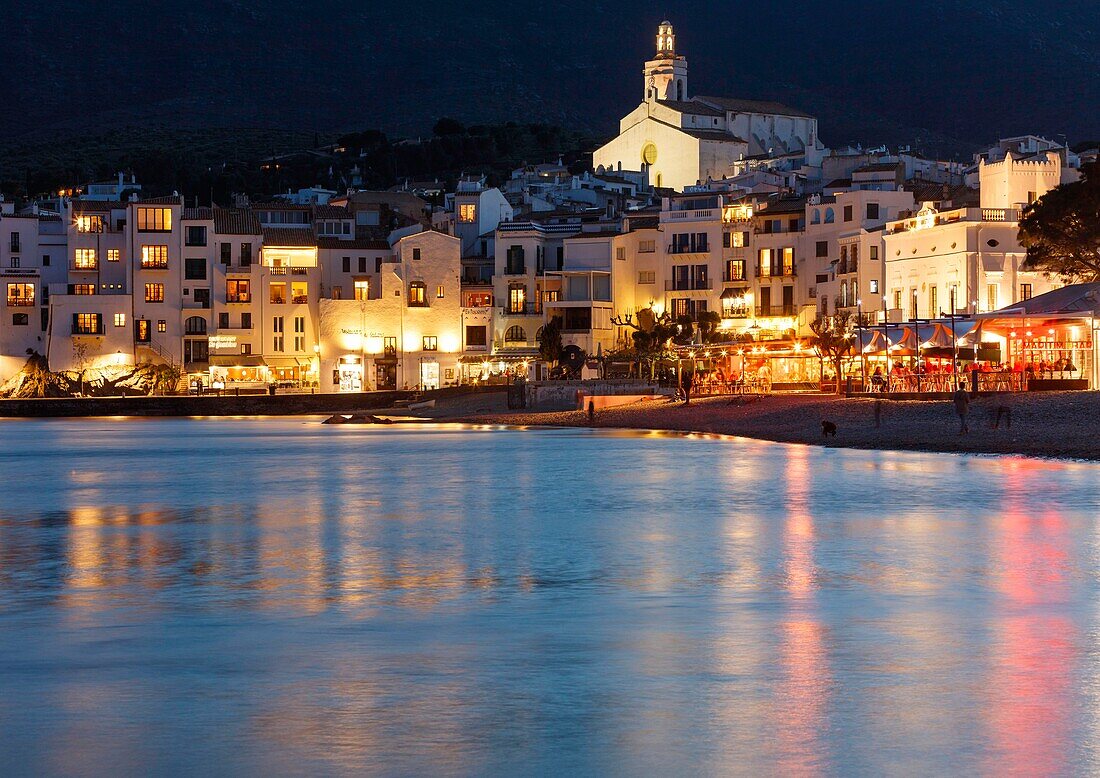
[[1057, 424]]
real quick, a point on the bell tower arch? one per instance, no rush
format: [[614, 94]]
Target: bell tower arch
[[666, 75]]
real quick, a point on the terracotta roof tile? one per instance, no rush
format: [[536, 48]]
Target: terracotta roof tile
[[289, 237]]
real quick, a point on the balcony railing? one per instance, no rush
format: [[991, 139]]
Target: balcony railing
[[84, 267], [515, 270], [733, 278], [238, 298], [96, 329], [525, 309], [774, 310], [154, 264], [300, 299], [736, 312], [680, 248], [786, 272], [689, 285], [20, 302]]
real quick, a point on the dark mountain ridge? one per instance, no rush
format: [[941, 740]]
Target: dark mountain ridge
[[946, 77]]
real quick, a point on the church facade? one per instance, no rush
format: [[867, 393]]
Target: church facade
[[683, 140]]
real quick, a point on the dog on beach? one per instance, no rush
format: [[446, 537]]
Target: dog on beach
[[827, 429]]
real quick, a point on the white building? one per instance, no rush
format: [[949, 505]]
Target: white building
[[968, 260], [684, 140]]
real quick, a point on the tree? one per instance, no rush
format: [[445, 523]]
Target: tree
[[709, 322], [833, 340], [1061, 230], [651, 336], [550, 345]]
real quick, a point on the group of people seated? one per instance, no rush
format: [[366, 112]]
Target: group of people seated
[[719, 381], [936, 375]]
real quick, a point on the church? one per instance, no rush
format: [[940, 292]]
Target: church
[[683, 140]]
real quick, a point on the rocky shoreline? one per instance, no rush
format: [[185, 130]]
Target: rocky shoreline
[[1062, 424]]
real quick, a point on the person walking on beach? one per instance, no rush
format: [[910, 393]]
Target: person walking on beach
[[962, 408], [686, 381]]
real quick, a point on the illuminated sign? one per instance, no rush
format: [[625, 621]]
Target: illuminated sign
[[220, 342]]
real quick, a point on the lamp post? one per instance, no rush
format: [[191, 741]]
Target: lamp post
[[859, 328]]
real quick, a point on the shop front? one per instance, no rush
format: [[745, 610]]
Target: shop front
[[291, 372], [348, 374], [429, 374], [237, 372]]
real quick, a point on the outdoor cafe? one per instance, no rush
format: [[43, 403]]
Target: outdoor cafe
[[1044, 344]]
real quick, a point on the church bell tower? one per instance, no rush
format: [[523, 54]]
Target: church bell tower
[[666, 75]]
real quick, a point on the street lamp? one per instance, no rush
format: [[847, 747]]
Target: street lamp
[[859, 328]]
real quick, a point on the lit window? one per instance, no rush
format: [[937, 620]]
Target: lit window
[[154, 219], [20, 295], [86, 324], [439, 292], [113, 255], [120, 320], [237, 291], [517, 298], [362, 289], [467, 213], [154, 293], [431, 343], [278, 293], [418, 296], [84, 259], [85, 223], [874, 286], [162, 325], [83, 289], [154, 257], [299, 292]]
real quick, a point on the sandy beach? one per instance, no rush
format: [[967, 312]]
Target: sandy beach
[[1062, 424]]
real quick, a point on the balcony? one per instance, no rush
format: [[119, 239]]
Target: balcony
[[84, 267], [238, 298], [679, 248], [736, 312], [689, 285], [154, 264], [766, 273], [302, 299], [699, 214], [89, 330], [737, 276], [524, 309], [764, 311]]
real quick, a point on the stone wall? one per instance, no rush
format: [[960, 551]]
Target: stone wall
[[211, 405]]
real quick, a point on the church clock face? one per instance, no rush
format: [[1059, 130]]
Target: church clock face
[[649, 154]]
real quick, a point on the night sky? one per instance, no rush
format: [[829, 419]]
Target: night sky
[[948, 75]]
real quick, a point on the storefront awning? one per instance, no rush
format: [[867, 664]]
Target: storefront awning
[[236, 360], [731, 292], [281, 361], [509, 357]]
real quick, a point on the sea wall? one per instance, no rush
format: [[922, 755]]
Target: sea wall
[[212, 405]]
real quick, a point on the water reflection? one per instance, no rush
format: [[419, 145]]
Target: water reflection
[[285, 597]]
